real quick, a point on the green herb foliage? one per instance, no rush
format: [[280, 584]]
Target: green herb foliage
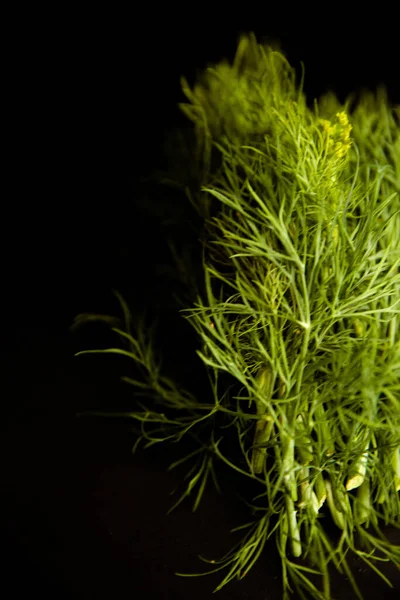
[[301, 308]]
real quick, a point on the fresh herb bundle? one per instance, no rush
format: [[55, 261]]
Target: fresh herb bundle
[[301, 308]]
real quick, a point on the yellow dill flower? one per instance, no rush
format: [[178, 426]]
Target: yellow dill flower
[[343, 149], [345, 129], [338, 133], [327, 126], [342, 118], [346, 133]]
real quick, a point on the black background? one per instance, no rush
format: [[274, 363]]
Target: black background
[[90, 97]]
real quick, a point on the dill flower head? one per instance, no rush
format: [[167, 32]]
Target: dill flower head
[[338, 134]]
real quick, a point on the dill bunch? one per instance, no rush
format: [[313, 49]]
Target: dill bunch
[[300, 307]]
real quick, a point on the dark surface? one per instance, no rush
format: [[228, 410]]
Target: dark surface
[[81, 517]]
